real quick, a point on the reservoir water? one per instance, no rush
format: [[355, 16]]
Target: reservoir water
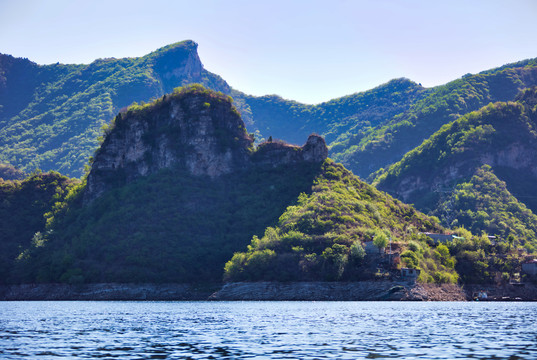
[[267, 330]]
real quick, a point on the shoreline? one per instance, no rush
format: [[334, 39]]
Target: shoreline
[[268, 291]]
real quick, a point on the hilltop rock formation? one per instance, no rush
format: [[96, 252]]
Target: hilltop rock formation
[[278, 153], [194, 129]]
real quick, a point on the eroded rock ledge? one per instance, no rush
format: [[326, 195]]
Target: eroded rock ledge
[[269, 291], [314, 291], [339, 291], [107, 291]]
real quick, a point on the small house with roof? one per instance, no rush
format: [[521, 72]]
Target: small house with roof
[[530, 267], [410, 274], [370, 248]]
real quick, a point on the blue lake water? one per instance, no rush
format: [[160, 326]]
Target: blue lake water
[[267, 330]]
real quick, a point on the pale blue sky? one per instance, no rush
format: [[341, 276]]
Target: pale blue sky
[[310, 51]]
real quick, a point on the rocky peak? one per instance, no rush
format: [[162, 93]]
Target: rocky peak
[[315, 149], [178, 63], [194, 130], [277, 153]]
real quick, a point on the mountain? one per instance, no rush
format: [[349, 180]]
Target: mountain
[[385, 144], [51, 115], [177, 192], [174, 190], [445, 174]]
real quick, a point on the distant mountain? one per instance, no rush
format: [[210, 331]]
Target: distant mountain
[[388, 143], [51, 115], [444, 175], [291, 121]]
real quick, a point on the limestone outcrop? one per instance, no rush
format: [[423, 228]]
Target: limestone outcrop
[[193, 129]]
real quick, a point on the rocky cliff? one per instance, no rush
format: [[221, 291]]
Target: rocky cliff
[[502, 135], [193, 129]]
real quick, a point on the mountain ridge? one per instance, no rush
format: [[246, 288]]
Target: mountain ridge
[[55, 124]]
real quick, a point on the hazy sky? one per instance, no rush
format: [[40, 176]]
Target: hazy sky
[[310, 51]]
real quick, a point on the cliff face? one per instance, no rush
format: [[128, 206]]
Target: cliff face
[[193, 129], [515, 157], [279, 153], [180, 65]]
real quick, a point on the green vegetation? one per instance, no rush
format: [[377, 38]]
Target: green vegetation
[[484, 204], [167, 227], [482, 261], [51, 116], [322, 237], [172, 227], [23, 205], [387, 143]]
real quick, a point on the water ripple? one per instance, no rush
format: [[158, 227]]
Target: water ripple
[[267, 330]]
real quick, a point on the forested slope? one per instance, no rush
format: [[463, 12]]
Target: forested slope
[[51, 115], [445, 175]]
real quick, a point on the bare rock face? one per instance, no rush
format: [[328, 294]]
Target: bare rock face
[[315, 149], [195, 130], [279, 153], [179, 62], [198, 131]]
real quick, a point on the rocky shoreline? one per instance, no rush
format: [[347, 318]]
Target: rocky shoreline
[[107, 291], [269, 291], [340, 291]]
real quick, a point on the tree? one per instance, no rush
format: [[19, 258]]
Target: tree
[[380, 240], [510, 240], [357, 252]]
